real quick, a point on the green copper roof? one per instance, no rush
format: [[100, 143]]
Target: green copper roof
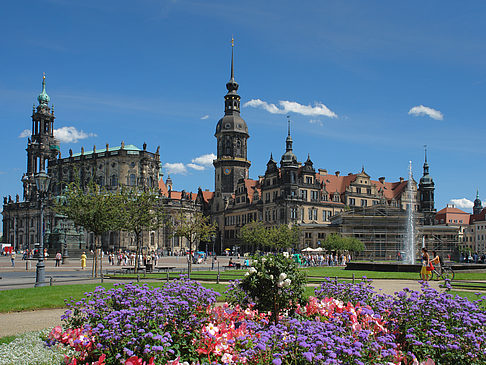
[[128, 147], [43, 98]]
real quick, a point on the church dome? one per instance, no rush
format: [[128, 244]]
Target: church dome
[[231, 123]]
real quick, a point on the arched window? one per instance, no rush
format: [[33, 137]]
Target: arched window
[[114, 180], [133, 180]]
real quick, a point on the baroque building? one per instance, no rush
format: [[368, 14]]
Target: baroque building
[[109, 167], [294, 193]]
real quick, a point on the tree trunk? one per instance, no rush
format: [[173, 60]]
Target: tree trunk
[[189, 261], [138, 251]]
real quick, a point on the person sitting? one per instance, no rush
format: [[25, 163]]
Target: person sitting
[[230, 264]]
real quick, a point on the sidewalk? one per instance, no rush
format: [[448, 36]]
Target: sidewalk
[[20, 322]]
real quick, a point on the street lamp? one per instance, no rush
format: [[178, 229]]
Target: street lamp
[[42, 181]]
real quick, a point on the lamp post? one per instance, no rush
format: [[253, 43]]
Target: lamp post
[[42, 181]]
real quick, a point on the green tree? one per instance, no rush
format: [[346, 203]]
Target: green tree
[[195, 227], [335, 242], [94, 209], [254, 234], [283, 236], [142, 210], [354, 245]]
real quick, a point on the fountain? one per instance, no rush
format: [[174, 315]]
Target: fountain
[[410, 230]]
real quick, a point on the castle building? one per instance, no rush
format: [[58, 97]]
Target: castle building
[[294, 193]]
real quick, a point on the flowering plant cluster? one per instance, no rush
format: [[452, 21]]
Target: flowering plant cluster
[[273, 283], [179, 324]]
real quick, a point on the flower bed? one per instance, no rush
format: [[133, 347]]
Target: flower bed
[[343, 324]]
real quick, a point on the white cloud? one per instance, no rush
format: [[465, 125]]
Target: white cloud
[[25, 133], [175, 168], [205, 160], [316, 121], [425, 110], [71, 134], [462, 203], [205, 117], [318, 109], [196, 167]]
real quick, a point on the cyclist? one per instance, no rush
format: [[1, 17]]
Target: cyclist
[[437, 262]]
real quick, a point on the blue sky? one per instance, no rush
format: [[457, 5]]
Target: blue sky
[[369, 83]]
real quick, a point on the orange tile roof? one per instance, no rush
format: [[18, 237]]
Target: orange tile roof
[[177, 195], [207, 195], [451, 210], [163, 188], [391, 190], [252, 186], [335, 183]]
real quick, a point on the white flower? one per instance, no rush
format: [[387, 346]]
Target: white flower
[[286, 254], [282, 276], [264, 259], [287, 283], [280, 284], [252, 270], [271, 277], [247, 273]]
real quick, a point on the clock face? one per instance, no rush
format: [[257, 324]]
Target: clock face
[[227, 171]]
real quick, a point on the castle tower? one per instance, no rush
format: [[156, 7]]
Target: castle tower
[[478, 207], [426, 190], [231, 163], [42, 147]]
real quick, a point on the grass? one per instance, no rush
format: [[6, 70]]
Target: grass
[[7, 339], [468, 295], [45, 297], [315, 274]]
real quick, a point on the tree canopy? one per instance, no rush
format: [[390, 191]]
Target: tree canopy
[[335, 242], [255, 234]]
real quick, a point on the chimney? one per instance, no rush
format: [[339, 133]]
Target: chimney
[[401, 179], [323, 172], [382, 179], [107, 146], [337, 173]]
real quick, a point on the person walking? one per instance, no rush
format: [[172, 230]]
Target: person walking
[[83, 260], [58, 259], [436, 261], [425, 272], [12, 258]]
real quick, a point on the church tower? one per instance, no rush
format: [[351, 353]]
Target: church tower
[[426, 190], [42, 147], [478, 207], [231, 163]]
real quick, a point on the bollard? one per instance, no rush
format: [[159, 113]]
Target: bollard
[[167, 276], [50, 281], [335, 279], [102, 277], [28, 265], [138, 278], [217, 279], [353, 277]]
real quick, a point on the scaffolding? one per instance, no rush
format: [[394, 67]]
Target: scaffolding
[[382, 229]]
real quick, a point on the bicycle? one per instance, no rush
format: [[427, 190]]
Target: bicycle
[[444, 272]]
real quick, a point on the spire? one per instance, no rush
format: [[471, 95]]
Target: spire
[[426, 165], [232, 63], [477, 193], [43, 98], [288, 141]]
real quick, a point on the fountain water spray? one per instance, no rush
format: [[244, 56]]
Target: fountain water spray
[[410, 232]]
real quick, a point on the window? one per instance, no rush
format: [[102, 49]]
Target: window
[[308, 235], [314, 195], [302, 213], [310, 213], [314, 215], [358, 190], [368, 191], [293, 213], [303, 194], [336, 197], [114, 180], [352, 201], [132, 180], [308, 180], [324, 197], [364, 203], [267, 197]]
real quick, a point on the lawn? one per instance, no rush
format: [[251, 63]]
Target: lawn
[[314, 274], [17, 300]]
